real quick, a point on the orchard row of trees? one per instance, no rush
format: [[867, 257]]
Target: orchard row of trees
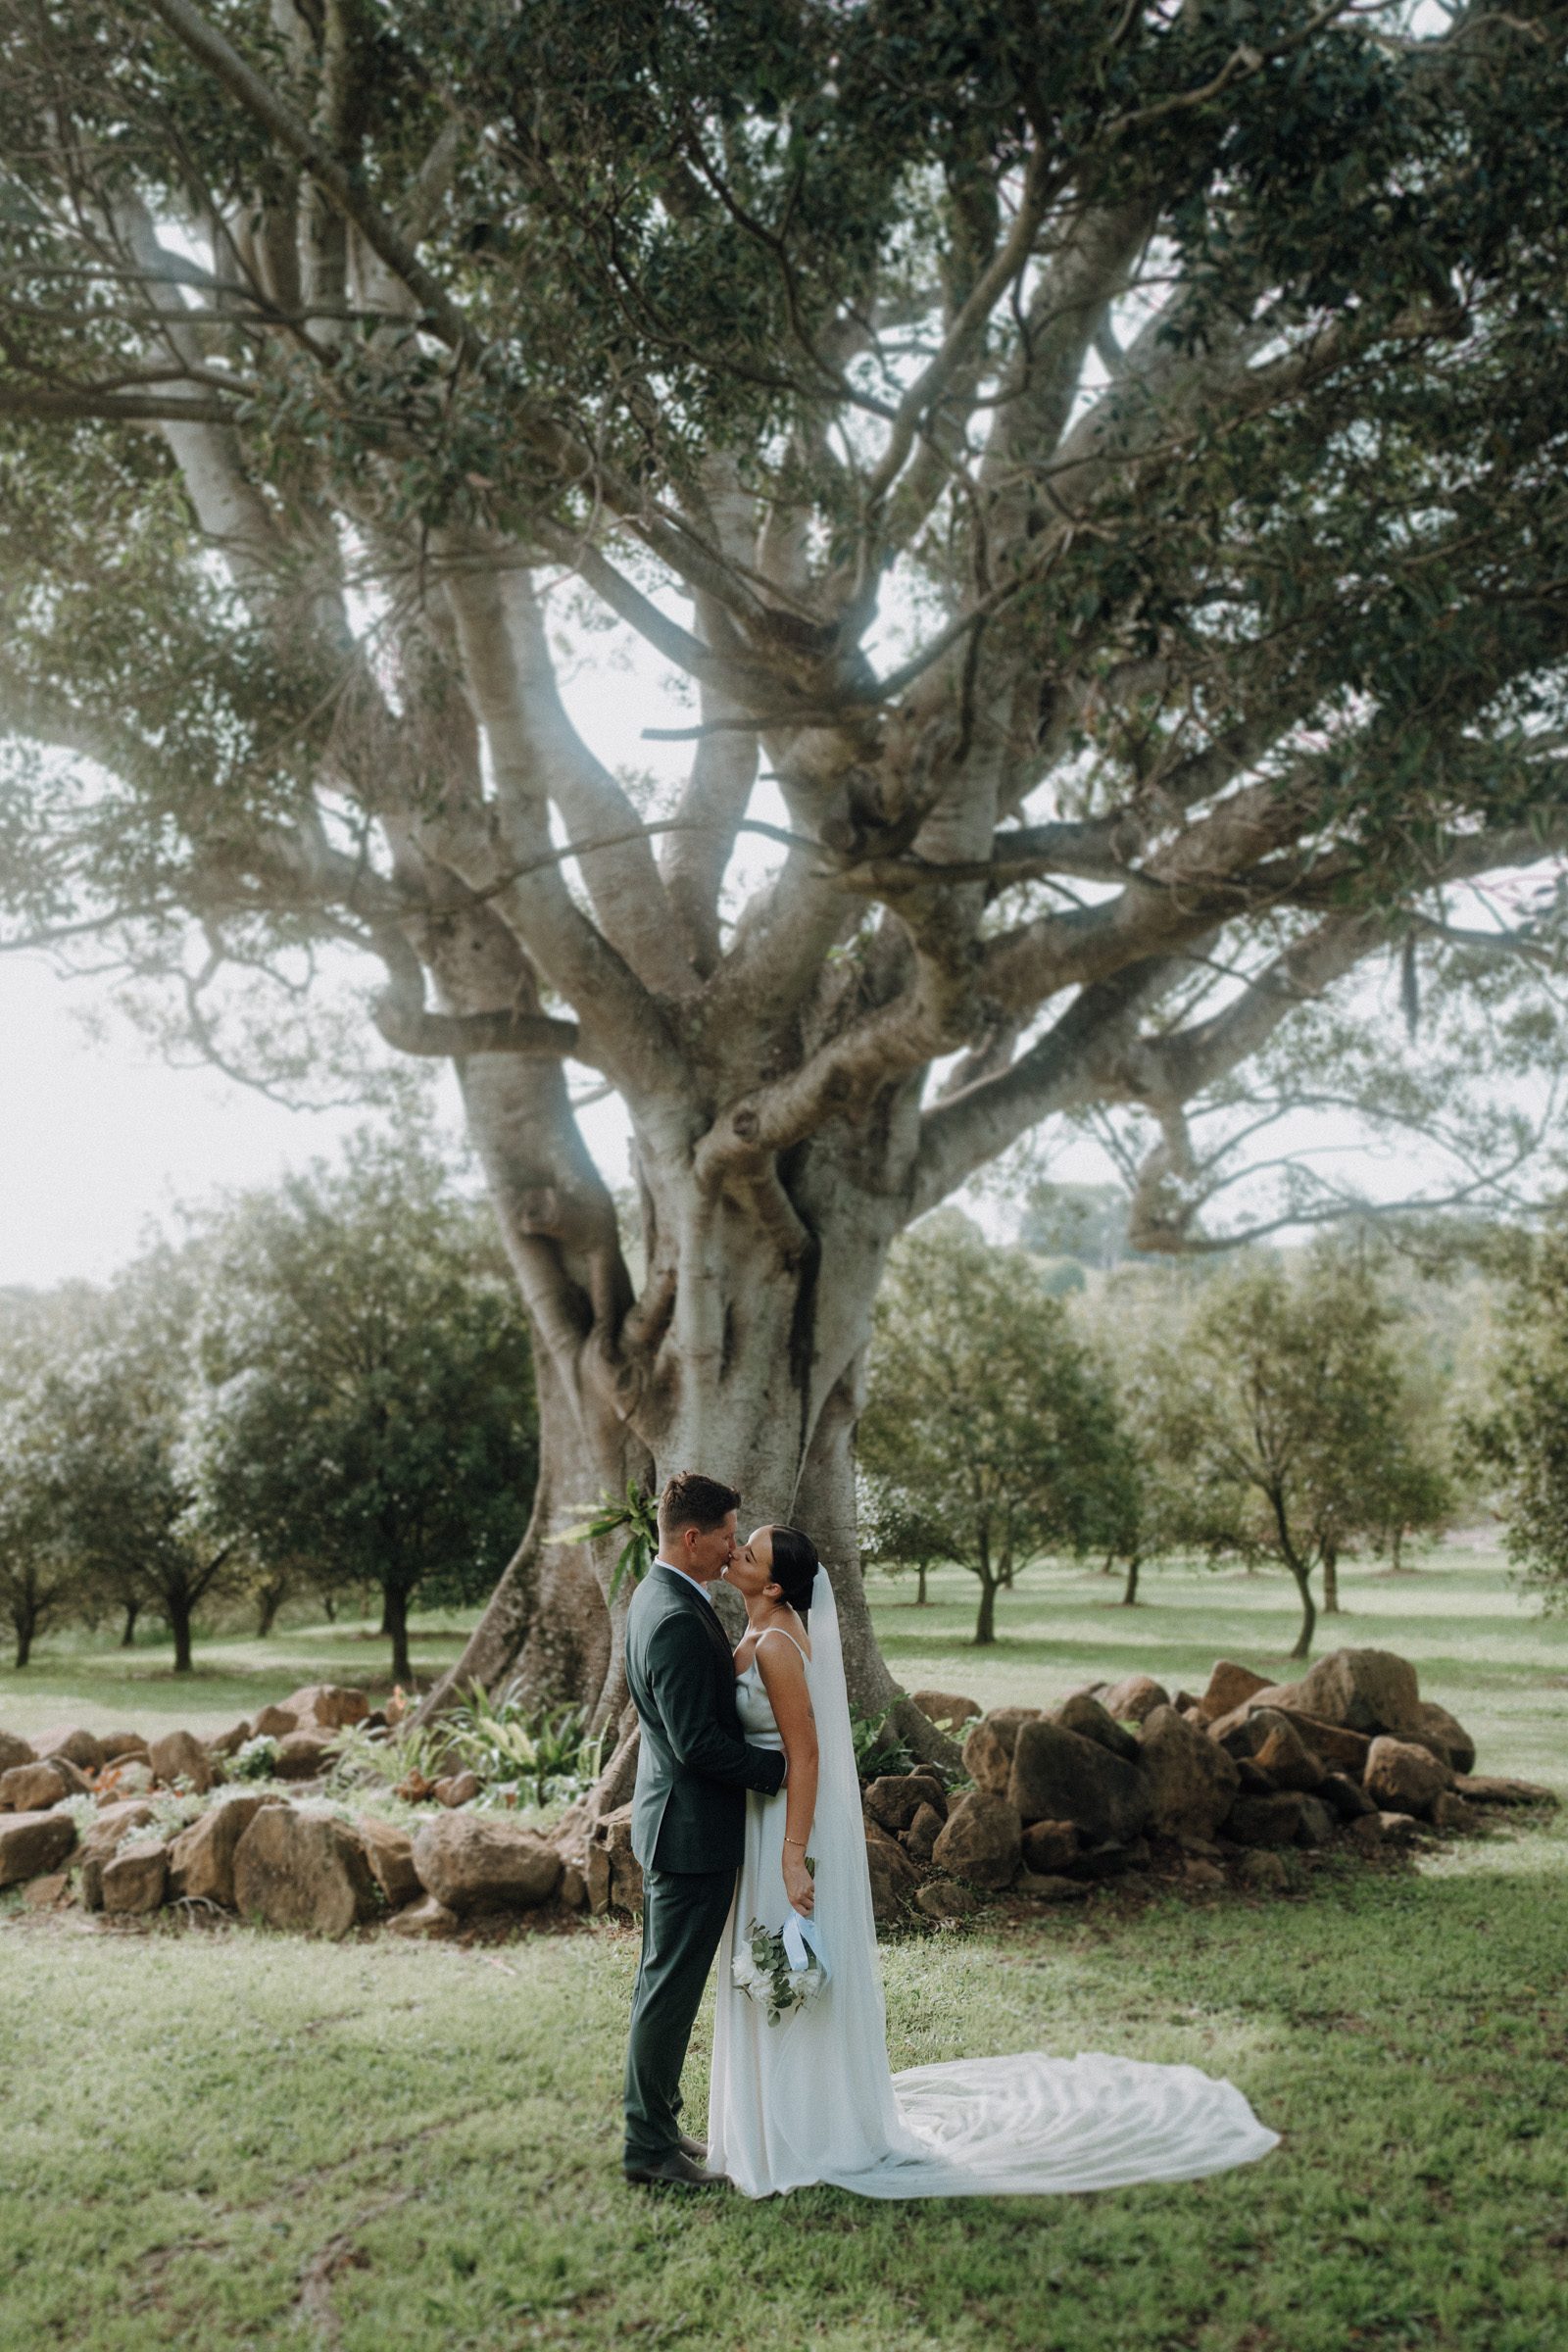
[[328, 1386], [1272, 1413]]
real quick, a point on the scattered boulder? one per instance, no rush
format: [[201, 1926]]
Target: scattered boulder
[[613, 1874], [942, 1899], [1199, 1872], [425, 1918], [1278, 1749], [948, 1710], [1366, 1831], [1340, 1749], [1263, 1873], [1252, 1780], [1451, 1812], [1058, 1776], [981, 1840], [461, 1788], [923, 1832], [1089, 1719], [102, 1843], [1110, 1860], [1366, 1690], [1318, 1823], [14, 1751], [1349, 1799], [302, 1756], [135, 1878], [572, 1892], [1191, 1782], [1486, 1788], [1399, 1828], [893, 1877], [894, 1800], [1401, 1777], [275, 1722], [42, 1894], [1230, 1687], [176, 1756], [70, 1740], [117, 1745], [303, 1871], [1049, 1887], [32, 1843], [201, 1859], [1265, 1820], [229, 1743], [474, 1862], [389, 1851], [328, 1705], [1444, 1736], [1048, 1846], [1134, 1698], [33, 1789], [988, 1751]]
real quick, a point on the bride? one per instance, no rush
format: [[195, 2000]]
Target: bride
[[811, 2098]]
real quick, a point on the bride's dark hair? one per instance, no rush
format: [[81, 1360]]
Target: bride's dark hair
[[795, 1567]]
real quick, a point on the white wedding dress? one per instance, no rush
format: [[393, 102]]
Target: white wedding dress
[[812, 2099]]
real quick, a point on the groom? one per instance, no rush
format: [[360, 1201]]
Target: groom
[[688, 1822]]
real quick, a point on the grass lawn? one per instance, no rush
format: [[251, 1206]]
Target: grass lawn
[[231, 2139]]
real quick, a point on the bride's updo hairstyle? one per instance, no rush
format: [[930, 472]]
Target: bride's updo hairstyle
[[795, 1567]]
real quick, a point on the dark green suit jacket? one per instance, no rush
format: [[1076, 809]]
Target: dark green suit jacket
[[693, 1765]]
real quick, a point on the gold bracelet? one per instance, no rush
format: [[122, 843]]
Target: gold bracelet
[[794, 1842]]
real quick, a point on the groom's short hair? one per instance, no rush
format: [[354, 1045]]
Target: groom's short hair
[[692, 1500]]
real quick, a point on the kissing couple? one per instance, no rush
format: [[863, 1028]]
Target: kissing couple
[[746, 1819]]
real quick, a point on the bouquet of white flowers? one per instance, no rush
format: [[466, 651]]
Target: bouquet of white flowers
[[775, 1970]]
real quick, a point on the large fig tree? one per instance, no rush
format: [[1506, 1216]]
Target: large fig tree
[[1101, 464]]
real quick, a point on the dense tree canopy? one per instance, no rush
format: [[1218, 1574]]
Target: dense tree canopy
[[371, 1417], [1102, 464]]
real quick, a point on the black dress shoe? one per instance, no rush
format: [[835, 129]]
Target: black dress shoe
[[677, 2171], [696, 2149]]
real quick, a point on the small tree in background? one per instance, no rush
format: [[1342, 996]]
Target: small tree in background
[[988, 1426], [1282, 1398], [372, 1417], [1522, 1440]]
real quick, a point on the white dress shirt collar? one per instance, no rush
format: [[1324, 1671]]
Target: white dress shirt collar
[[689, 1579]]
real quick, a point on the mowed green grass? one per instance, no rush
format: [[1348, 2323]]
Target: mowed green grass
[[230, 2138], [225, 2137]]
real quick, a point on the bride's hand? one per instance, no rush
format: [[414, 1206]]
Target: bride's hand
[[798, 1885]]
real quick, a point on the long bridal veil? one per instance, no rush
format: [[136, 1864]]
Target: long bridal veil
[[1021, 2124]]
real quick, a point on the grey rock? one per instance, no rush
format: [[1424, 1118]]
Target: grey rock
[[894, 1800], [474, 1862], [389, 1851], [31, 1789], [1191, 1782], [1057, 1776], [461, 1789], [942, 1900], [78, 1746], [1365, 1690], [1317, 1824], [948, 1710], [32, 1844], [176, 1756], [1134, 1698], [988, 1751], [201, 1859], [301, 1871], [923, 1832], [1048, 1846], [1090, 1720], [1230, 1687], [1401, 1777], [1266, 1820], [136, 1879], [981, 1840], [426, 1919]]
